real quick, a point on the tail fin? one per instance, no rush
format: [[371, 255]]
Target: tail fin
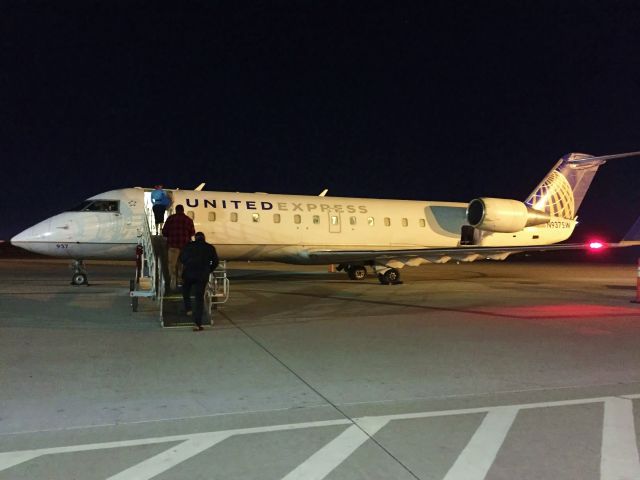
[[561, 192]]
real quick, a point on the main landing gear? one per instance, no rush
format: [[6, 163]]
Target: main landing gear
[[391, 276], [386, 276], [355, 272], [79, 276]]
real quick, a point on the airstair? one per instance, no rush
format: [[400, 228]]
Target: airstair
[[151, 282]]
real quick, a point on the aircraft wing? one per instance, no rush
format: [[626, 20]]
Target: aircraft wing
[[416, 256]]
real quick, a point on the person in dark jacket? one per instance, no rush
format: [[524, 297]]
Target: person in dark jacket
[[160, 201], [198, 259]]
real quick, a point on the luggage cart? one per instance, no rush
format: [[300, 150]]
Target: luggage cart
[[217, 291]]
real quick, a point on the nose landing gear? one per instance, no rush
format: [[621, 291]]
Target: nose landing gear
[[79, 276]]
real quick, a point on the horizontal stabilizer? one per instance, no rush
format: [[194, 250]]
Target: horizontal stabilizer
[[603, 158]]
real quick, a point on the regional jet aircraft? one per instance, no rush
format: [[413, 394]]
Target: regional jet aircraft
[[355, 233]]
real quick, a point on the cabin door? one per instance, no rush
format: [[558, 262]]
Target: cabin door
[[334, 222]]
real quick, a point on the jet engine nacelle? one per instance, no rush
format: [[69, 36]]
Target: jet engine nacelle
[[502, 215]]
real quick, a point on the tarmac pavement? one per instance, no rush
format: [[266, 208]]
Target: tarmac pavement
[[496, 370]]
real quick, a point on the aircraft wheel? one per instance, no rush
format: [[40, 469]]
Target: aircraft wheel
[[357, 272], [79, 279], [390, 277]]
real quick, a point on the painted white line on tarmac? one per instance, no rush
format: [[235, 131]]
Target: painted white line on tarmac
[[476, 459], [325, 460], [466, 411], [619, 455], [170, 458], [619, 451], [10, 459], [25, 455]]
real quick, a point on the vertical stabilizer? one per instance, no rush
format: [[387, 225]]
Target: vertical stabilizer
[[561, 192]]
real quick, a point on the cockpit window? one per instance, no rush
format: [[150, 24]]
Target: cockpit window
[[97, 206], [79, 208]]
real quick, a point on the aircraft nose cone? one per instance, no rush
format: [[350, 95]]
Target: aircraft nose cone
[[20, 238], [37, 233]]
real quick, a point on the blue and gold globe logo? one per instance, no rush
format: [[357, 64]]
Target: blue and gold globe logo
[[554, 196]]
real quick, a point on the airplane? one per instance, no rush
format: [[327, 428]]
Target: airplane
[[355, 233]]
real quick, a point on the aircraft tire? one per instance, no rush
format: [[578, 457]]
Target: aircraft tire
[[390, 277], [357, 272], [79, 279]]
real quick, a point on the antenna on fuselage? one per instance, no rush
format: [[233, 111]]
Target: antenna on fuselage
[[324, 192], [199, 187]]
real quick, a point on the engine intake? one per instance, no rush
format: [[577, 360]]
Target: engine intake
[[502, 215]]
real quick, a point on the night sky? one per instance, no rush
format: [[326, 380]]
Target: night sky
[[412, 100]]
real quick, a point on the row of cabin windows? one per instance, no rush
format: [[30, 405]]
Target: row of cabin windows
[[297, 219]]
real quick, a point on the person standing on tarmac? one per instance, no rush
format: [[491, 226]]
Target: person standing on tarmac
[[160, 201], [178, 230], [198, 259]]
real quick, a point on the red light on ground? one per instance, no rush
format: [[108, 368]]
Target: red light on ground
[[596, 245]]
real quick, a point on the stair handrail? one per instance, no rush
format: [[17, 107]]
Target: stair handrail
[[153, 267]]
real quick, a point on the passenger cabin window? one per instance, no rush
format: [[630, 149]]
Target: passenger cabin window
[[212, 216], [255, 217], [353, 220], [276, 218], [297, 219], [405, 222], [97, 206], [371, 221], [387, 222], [234, 216], [316, 219], [422, 222]]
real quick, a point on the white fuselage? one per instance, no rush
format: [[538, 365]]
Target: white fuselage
[[284, 228]]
